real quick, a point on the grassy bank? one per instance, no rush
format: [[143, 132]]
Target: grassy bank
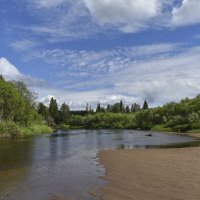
[[161, 128], [10, 129], [36, 129], [193, 133]]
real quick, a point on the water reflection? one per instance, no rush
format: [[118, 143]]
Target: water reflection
[[64, 163]]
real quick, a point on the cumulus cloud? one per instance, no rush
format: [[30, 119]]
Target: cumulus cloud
[[137, 15], [8, 70], [126, 15], [46, 99], [187, 13], [123, 11], [62, 20], [163, 79]]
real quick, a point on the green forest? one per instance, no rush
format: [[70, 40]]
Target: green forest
[[21, 115]]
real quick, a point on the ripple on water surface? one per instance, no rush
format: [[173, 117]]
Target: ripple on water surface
[[64, 165]]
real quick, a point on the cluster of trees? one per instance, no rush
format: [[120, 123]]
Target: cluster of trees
[[121, 108], [17, 103], [52, 114], [182, 116], [113, 116], [18, 114]]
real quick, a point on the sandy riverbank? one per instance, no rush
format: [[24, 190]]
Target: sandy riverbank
[[167, 174]]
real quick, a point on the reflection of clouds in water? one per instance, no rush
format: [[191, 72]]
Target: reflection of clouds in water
[[66, 164]]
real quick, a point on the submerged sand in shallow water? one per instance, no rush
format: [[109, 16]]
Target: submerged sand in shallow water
[[160, 174]]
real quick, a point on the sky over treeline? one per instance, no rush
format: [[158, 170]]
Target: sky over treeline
[[86, 51]]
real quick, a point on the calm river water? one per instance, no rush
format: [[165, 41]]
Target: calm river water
[[41, 167]]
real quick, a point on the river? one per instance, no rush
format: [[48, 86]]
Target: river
[[64, 164]]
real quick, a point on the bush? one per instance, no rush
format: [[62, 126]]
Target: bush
[[195, 125], [9, 129], [110, 121], [182, 127], [117, 125], [161, 128], [64, 127], [36, 129]]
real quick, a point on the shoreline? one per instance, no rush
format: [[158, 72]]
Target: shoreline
[[29, 132], [151, 174], [194, 135]]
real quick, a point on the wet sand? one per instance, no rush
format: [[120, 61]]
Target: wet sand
[[58, 197], [167, 174]]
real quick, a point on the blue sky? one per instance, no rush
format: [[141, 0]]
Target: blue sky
[[83, 51]]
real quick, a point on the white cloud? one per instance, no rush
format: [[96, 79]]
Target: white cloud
[[78, 100], [86, 62], [159, 73], [47, 3], [46, 99], [8, 70], [123, 11], [22, 45], [137, 15], [162, 79], [188, 13], [61, 20]]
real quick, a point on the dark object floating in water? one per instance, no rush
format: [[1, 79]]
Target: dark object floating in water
[[59, 135], [149, 135]]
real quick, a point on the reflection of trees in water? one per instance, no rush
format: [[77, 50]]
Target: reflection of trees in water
[[15, 153], [59, 147], [15, 156]]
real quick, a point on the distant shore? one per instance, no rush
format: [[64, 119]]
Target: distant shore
[[190, 134], [153, 174]]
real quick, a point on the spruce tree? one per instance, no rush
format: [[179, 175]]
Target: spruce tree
[[127, 109], [98, 109], [121, 106], [65, 113], [53, 109], [145, 105]]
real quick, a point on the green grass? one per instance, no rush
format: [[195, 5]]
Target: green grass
[[9, 129], [64, 127], [161, 128], [35, 129]]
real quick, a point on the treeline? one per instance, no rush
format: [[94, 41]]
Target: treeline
[[117, 115], [121, 108], [182, 116], [18, 113]]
